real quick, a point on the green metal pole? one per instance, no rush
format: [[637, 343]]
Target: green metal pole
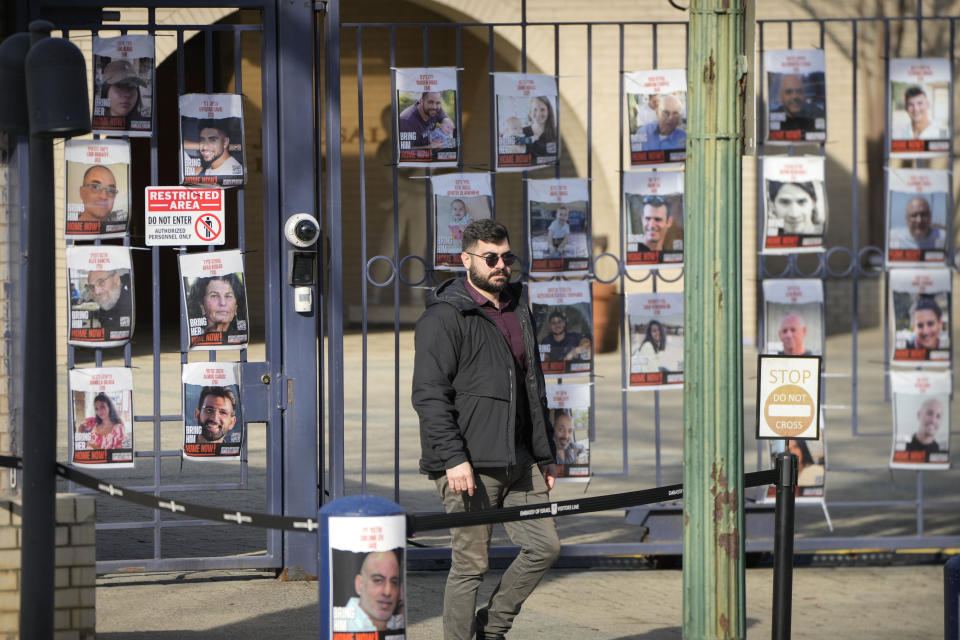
[[713, 578]]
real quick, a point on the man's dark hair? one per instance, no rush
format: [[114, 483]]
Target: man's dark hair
[[199, 291], [485, 230], [912, 92], [774, 187], [927, 303], [212, 123], [217, 392], [556, 313]]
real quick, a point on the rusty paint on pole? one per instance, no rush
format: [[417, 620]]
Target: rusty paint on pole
[[713, 579]]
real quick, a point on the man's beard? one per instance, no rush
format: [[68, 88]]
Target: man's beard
[[209, 432], [112, 298], [485, 284]]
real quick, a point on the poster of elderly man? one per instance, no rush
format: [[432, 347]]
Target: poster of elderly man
[[918, 227], [559, 226], [920, 90], [920, 312], [796, 96], [97, 188], [653, 202], [367, 577], [100, 279], [212, 414], [569, 406], [102, 417], [427, 112], [795, 206], [656, 116], [562, 313], [527, 124], [214, 296], [123, 78], [921, 419], [212, 140], [793, 316]]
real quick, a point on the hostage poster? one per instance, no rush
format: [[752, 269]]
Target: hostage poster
[[656, 115], [458, 200], [559, 226], [921, 419], [97, 188], [212, 413], [100, 285], [427, 112], [917, 222], [123, 74], [569, 406], [562, 312], [655, 331], [215, 298], [793, 317], [795, 206], [102, 417], [920, 309], [653, 202], [527, 126], [796, 96], [211, 140], [920, 92]]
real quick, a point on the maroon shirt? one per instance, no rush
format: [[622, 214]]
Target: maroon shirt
[[506, 320]]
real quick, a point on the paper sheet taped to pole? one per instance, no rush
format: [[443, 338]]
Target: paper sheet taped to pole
[[788, 397]]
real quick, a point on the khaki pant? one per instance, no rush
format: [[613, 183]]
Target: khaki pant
[[537, 539]]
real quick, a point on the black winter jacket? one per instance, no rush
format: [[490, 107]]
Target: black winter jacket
[[464, 386]]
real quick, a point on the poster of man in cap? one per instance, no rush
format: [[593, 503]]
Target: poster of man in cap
[[123, 72], [211, 138]]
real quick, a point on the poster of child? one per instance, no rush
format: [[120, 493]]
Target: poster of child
[[559, 226], [458, 200]]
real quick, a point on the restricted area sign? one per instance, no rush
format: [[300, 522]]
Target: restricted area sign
[[788, 397], [180, 216]]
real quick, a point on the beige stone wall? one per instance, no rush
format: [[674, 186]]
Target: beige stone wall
[[75, 616]]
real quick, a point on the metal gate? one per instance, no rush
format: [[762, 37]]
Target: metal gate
[[387, 256], [255, 49]]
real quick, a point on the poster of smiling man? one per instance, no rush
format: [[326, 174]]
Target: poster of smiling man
[[795, 206], [211, 140], [215, 297], [427, 114], [656, 115], [100, 285], [921, 419], [653, 201], [527, 125], [917, 221], [655, 331], [102, 417], [920, 91], [559, 226], [213, 418], [569, 406], [97, 188], [562, 312], [796, 96], [123, 74], [793, 316], [920, 312], [458, 200]]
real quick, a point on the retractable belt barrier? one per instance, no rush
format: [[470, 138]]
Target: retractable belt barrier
[[415, 522]]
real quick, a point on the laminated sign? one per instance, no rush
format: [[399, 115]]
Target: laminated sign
[[788, 402], [179, 216]]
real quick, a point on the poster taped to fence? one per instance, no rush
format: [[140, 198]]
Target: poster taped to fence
[[100, 285], [215, 297], [569, 406], [655, 329], [793, 316], [367, 565], [656, 115], [212, 145], [920, 309], [102, 417], [653, 202], [458, 200], [917, 222], [920, 90], [796, 96], [97, 188], [427, 113], [212, 412], [563, 313], [921, 419], [527, 125], [811, 467], [123, 80], [795, 206], [788, 397], [559, 226]]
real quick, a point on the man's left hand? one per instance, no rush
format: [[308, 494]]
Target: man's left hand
[[549, 472]]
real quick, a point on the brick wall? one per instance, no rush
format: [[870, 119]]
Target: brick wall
[[75, 615]]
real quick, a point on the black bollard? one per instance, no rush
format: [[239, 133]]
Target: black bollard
[[786, 467], [951, 599]]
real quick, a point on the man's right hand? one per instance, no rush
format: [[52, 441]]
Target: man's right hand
[[460, 478]]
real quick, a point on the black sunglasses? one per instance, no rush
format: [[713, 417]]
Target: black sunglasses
[[493, 258], [654, 201]]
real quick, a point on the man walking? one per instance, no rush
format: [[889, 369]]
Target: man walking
[[485, 436]]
